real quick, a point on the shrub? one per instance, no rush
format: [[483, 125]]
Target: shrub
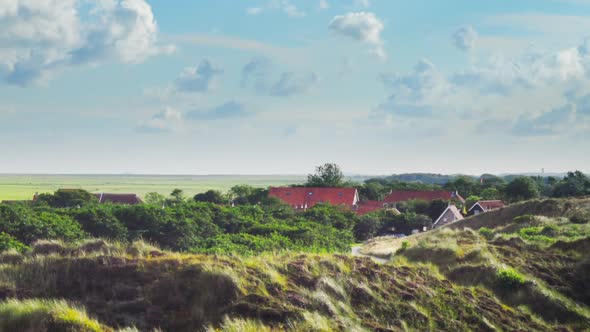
[[509, 279], [524, 218], [580, 218], [405, 245], [8, 242], [541, 234], [550, 231], [487, 233]]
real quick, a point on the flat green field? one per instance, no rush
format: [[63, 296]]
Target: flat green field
[[24, 186]]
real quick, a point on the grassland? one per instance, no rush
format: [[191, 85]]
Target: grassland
[[24, 186], [105, 286]]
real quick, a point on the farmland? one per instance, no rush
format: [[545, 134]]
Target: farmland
[[24, 186]]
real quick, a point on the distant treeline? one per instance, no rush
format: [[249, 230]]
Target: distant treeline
[[511, 188]]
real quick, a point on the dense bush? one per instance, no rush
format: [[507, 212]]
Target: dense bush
[[8, 242], [580, 218], [487, 233], [509, 279], [183, 225]]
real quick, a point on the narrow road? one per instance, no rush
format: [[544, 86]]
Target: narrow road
[[356, 251]]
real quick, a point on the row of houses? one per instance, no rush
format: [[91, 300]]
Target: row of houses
[[303, 198]]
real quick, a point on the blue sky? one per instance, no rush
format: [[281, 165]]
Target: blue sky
[[279, 86]]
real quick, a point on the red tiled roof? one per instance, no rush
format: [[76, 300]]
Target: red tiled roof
[[128, 199], [367, 207], [403, 195], [489, 205], [304, 198]]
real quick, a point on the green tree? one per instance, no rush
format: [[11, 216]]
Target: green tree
[[521, 188], [367, 227], [465, 185], [574, 184], [67, 198], [327, 175], [155, 199], [490, 194], [176, 197], [210, 196], [372, 190], [436, 208]]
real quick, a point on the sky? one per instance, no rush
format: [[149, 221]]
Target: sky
[[280, 86]]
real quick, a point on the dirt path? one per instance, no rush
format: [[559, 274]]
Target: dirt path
[[356, 251]]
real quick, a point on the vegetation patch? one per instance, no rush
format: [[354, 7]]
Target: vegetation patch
[[45, 315], [509, 279]]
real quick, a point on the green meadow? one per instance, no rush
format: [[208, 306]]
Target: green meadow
[[25, 186]]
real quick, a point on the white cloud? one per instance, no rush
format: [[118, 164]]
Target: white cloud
[[465, 38], [258, 74], [40, 37], [198, 79], [363, 27], [323, 5], [167, 120]]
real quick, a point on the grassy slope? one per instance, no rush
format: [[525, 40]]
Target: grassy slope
[[141, 286], [24, 186], [550, 252]]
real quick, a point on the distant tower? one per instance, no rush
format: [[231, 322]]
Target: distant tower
[[542, 171]]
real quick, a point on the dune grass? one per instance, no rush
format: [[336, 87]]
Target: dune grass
[[45, 315]]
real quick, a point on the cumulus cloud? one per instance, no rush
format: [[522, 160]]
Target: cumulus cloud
[[547, 93], [167, 120], [323, 4], [465, 38], [40, 37], [229, 110], [363, 27], [258, 75], [198, 79]]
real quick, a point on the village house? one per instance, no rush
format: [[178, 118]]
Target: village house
[[485, 206], [449, 215], [123, 199], [366, 207], [303, 198]]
